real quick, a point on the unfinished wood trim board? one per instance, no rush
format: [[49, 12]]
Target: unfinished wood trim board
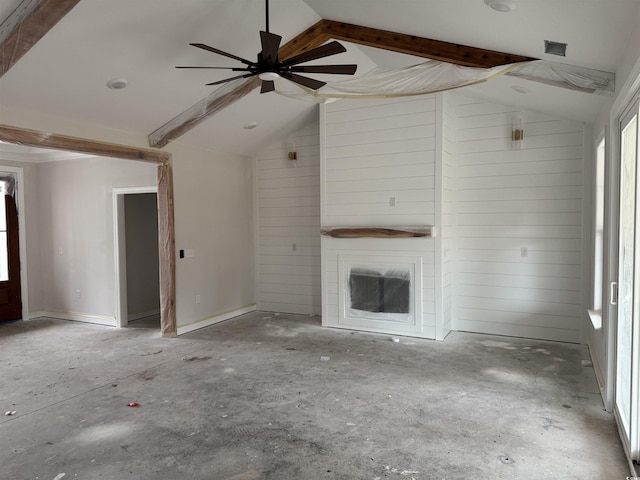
[[167, 248], [376, 232], [166, 226]]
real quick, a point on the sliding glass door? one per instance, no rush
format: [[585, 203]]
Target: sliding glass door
[[628, 326]]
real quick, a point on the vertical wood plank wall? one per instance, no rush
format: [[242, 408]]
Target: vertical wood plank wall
[[288, 206], [513, 199]]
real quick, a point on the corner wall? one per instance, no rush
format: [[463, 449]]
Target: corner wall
[[288, 225], [214, 218], [449, 205]]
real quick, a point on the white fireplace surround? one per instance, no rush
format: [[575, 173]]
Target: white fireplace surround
[[408, 323]]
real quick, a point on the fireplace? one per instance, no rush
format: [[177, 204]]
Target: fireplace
[[380, 293], [385, 291]]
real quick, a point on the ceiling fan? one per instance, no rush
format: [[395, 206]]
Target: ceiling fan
[[269, 68]]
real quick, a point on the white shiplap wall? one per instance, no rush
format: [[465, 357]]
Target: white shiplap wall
[[378, 152], [288, 219], [508, 200], [494, 201]]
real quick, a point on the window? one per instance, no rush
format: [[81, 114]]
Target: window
[[598, 228]]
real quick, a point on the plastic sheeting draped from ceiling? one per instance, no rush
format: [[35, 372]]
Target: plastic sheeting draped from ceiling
[[428, 77], [433, 76]]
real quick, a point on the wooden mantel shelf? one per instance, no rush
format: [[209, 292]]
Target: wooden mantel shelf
[[376, 232]]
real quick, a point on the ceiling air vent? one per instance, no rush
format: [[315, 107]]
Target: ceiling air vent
[[555, 48]]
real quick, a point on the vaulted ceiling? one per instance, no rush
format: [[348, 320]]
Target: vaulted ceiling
[[65, 72]]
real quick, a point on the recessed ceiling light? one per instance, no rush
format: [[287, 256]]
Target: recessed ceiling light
[[250, 126], [117, 83], [519, 89], [502, 6]]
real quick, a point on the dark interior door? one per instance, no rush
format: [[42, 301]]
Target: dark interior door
[[10, 294]]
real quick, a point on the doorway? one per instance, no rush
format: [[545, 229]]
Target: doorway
[[14, 294], [628, 320], [40, 139], [136, 256], [10, 288]]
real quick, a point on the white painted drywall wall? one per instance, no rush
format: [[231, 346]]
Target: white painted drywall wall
[[288, 224], [141, 247], [212, 194], [76, 232], [213, 218]]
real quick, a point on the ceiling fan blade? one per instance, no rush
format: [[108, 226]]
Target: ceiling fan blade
[[270, 45], [333, 69], [229, 79], [220, 52], [235, 69], [267, 86], [326, 50], [311, 83]]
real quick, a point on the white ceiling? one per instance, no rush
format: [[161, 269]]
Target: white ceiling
[[142, 40]]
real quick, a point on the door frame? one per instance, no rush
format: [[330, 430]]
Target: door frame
[[120, 250], [629, 93], [22, 236], [166, 227], [629, 436]]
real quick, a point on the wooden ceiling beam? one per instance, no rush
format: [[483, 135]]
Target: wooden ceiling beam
[[313, 37], [196, 114], [26, 25], [419, 46], [309, 39], [33, 138]]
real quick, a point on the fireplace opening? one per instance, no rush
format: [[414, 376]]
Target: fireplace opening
[[380, 291]]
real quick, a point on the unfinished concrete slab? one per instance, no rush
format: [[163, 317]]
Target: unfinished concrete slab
[[279, 397]]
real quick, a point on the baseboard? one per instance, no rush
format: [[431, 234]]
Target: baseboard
[[76, 317], [38, 314], [598, 371], [137, 316], [182, 329]]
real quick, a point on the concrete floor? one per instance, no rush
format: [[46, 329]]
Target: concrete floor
[[279, 397]]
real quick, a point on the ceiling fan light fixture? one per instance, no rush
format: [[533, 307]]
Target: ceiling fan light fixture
[[268, 76], [502, 6]]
